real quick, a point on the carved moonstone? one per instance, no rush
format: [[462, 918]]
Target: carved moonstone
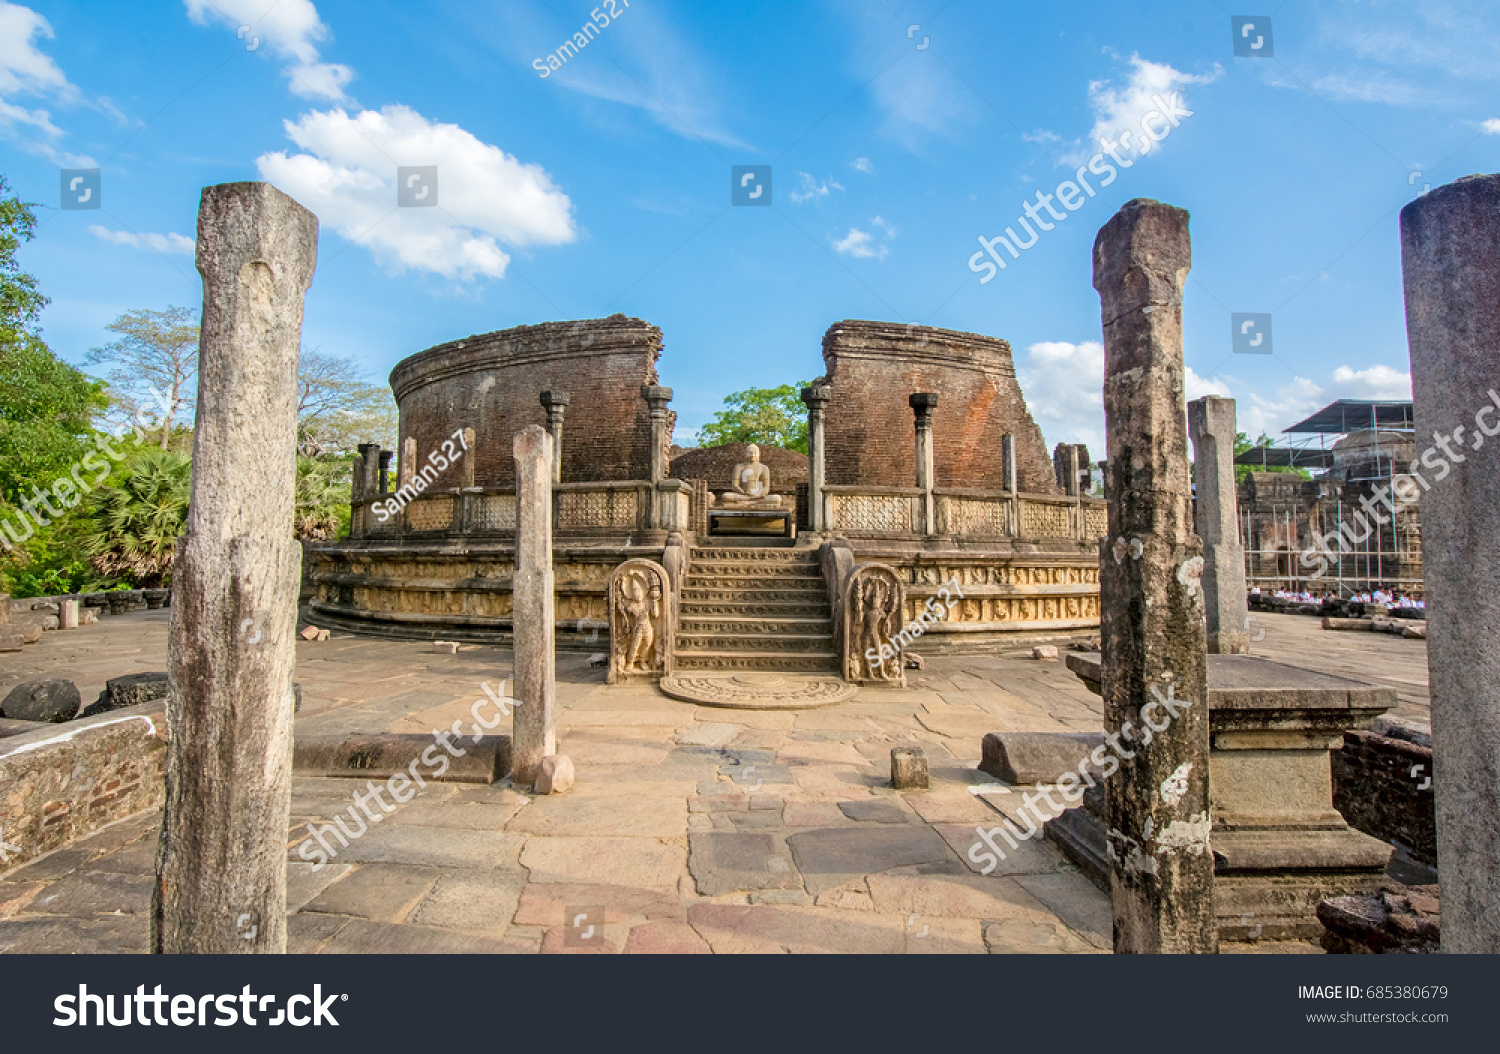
[[640, 622]]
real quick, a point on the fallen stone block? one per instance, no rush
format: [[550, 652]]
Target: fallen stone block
[[47, 699], [383, 755], [310, 633], [130, 690], [1398, 920], [49, 622], [69, 613], [909, 768], [913, 661], [1415, 632], [11, 640], [1348, 623], [31, 632], [88, 616], [447, 647], [1035, 757], [599, 658], [1044, 651], [554, 775]]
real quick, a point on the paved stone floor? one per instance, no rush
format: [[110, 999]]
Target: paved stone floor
[[690, 829]]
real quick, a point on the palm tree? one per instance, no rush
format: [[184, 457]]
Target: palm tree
[[131, 528]]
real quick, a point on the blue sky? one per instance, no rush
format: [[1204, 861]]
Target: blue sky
[[898, 135]]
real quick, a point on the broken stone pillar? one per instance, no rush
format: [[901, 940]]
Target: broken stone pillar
[[1450, 259], [221, 861], [923, 404], [532, 606], [365, 487], [556, 405], [1151, 607], [68, 613], [1211, 422], [385, 470], [816, 400]]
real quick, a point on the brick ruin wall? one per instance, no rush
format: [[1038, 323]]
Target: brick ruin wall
[[493, 383], [872, 367]]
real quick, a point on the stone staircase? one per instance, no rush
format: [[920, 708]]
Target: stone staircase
[[755, 609]]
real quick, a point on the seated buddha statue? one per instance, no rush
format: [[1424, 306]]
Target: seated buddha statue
[[751, 481]]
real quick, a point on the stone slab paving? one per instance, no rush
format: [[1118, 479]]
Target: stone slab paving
[[689, 830]]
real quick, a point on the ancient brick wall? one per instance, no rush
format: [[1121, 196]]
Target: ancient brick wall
[[716, 463], [872, 367], [493, 383], [1383, 787]]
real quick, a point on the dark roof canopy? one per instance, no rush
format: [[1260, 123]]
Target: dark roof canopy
[[1285, 457], [1351, 415]]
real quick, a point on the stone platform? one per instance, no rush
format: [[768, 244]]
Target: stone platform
[[669, 832]]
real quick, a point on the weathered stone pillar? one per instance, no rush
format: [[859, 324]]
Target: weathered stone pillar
[[532, 606], [657, 399], [385, 470], [556, 404], [466, 474], [408, 468], [366, 485], [922, 405], [67, 613], [1154, 663], [1450, 258], [221, 861], [1211, 422], [1008, 460], [816, 400]]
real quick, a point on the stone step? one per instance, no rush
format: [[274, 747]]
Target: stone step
[[756, 556], [793, 643], [720, 569], [759, 598], [727, 583], [753, 624], [751, 609], [778, 661]]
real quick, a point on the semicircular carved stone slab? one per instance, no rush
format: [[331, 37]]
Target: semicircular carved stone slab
[[640, 622], [758, 691], [874, 600]]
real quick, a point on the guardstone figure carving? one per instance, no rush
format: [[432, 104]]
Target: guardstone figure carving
[[641, 627], [874, 600]]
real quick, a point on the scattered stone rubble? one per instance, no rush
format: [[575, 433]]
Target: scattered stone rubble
[[1397, 920]]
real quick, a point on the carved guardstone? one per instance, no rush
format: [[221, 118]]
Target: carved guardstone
[[641, 627], [874, 604]]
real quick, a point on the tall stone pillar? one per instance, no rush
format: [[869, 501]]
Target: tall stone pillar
[[1151, 605], [365, 486], [385, 470], [556, 404], [922, 405], [408, 462], [816, 400], [657, 399], [466, 474], [221, 860], [1450, 258], [1008, 460], [1211, 422], [534, 729]]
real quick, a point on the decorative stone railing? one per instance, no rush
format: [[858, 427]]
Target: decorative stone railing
[[606, 509], [978, 514]]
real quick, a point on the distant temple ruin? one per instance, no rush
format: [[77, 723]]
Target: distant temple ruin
[[923, 457]]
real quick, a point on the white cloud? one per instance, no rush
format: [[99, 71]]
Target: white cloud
[[1063, 385], [292, 30], [862, 164], [162, 243], [1118, 110], [346, 174], [812, 189], [1492, 126], [1373, 382], [26, 71], [862, 244]]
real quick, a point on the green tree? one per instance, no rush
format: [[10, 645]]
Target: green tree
[[20, 302], [130, 528], [322, 501], [337, 409], [155, 362], [765, 416], [1242, 443]]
